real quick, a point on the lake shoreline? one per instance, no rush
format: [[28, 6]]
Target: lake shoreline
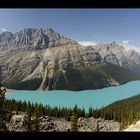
[[8, 91], [84, 99], [74, 91]]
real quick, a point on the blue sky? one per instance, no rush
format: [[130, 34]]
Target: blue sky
[[84, 25]]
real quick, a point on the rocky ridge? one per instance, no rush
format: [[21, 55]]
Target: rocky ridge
[[116, 54], [43, 59], [43, 37]]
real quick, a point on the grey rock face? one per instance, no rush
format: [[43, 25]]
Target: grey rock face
[[46, 38], [51, 124], [90, 124], [16, 123], [23, 64], [23, 38], [43, 59], [111, 58], [5, 40], [29, 37], [133, 59], [116, 54]]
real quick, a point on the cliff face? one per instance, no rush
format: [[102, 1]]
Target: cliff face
[[43, 59], [29, 36]]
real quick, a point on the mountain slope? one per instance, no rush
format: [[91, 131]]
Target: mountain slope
[[72, 77], [116, 54], [43, 59]]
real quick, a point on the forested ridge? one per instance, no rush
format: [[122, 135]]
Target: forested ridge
[[126, 111]]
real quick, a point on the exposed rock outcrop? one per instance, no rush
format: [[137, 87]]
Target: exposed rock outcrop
[[16, 123], [90, 124], [51, 124]]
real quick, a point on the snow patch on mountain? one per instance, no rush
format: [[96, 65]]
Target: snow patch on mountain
[[129, 46]]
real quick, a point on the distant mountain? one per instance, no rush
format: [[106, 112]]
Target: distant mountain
[[118, 55], [44, 59]]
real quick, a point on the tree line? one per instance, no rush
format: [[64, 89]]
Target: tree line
[[126, 111], [58, 112]]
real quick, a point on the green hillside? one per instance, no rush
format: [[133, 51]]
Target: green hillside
[[125, 111]]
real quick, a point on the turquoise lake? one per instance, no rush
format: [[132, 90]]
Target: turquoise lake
[[84, 99]]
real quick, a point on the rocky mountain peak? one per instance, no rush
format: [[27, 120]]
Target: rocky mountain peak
[[5, 39], [38, 38], [113, 45], [115, 53]]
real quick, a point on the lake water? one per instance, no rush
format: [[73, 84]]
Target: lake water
[[84, 99]]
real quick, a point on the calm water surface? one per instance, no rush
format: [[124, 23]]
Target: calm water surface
[[84, 99]]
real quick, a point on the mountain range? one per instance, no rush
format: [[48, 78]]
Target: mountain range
[[43, 59]]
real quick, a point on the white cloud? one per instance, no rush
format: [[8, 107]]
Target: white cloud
[[129, 46], [125, 41], [86, 43], [2, 30]]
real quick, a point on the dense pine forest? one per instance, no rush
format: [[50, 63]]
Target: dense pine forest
[[18, 106], [125, 111]]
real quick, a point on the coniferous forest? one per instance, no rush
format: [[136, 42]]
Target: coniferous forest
[[18, 106], [126, 111]]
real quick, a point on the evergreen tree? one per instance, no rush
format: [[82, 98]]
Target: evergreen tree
[[2, 110], [74, 121], [83, 114], [97, 127], [28, 120], [36, 119], [68, 115], [90, 112]]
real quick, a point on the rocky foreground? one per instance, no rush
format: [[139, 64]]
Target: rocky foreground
[[51, 124], [134, 127]]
